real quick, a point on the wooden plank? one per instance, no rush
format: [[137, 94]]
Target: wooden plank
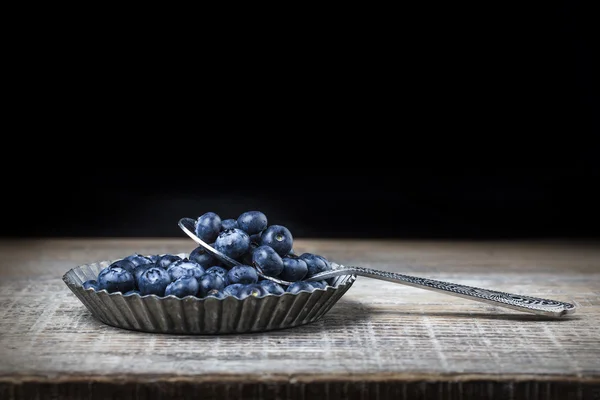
[[380, 339]]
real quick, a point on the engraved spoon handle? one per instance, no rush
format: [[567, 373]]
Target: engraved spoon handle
[[524, 303]]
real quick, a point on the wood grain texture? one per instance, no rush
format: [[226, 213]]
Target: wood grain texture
[[381, 340]]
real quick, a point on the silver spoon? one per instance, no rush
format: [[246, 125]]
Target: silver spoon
[[534, 305]]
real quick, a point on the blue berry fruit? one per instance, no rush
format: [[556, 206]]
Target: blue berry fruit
[[184, 268], [154, 281], [244, 274], [255, 238], [167, 259], [279, 238], [315, 263], [247, 257], [208, 282], [299, 286], [139, 270], [229, 224], [203, 257], [216, 293], [253, 289], [208, 226], [272, 287], [184, 286], [138, 259], [267, 261], [115, 279], [153, 258], [252, 222], [216, 270], [326, 261], [91, 284], [294, 269], [233, 289], [319, 284], [125, 264], [233, 243]]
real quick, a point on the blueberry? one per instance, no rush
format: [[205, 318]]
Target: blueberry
[[299, 286], [247, 257], [138, 259], [244, 274], [279, 238], [131, 292], [294, 269], [125, 264], [233, 242], [154, 281], [208, 226], [233, 289], [153, 258], [272, 287], [318, 284], [184, 268], [216, 293], [252, 222], [267, 261], [137, 272], [203, 257], [315, 263], [115, 279], [92, 283], [229, 224], [222, 272], [167, 259], [325, 261], [252, 289], [208, 282], [256, 238], [329, 281], [184, 286]]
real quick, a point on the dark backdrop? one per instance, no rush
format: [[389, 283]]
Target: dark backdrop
[[401, 202], [492, 80]]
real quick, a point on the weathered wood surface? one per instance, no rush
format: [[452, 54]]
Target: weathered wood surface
[[381, 340]]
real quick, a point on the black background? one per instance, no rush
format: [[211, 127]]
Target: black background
[[487, 202], [472, 122]]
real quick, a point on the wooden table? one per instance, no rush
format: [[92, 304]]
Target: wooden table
[[380, 341]]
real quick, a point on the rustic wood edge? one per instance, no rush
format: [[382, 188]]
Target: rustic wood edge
[[303, 387], [274, 379]]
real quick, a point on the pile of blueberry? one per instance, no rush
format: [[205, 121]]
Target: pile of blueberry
[[249, 239]]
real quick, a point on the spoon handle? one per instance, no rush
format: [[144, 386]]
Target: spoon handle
[[524, 303]]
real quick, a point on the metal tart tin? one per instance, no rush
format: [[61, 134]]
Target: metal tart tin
[[202, 316]]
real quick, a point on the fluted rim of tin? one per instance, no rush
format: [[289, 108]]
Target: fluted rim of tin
[[341, 282]]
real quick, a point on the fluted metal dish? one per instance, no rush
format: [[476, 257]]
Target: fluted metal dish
[[198, 316]]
